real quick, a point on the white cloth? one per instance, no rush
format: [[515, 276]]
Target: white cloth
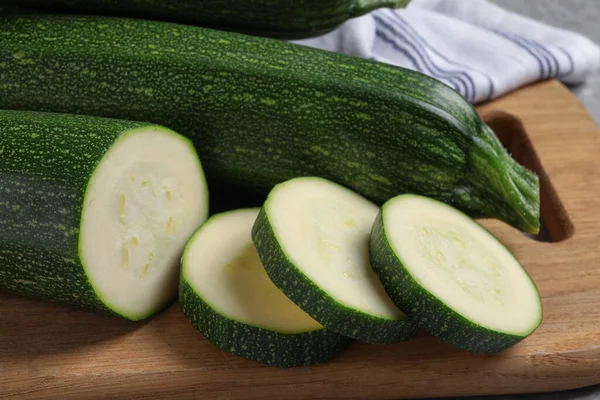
[[476, 47]]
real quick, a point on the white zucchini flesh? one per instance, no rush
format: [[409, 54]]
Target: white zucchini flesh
[[312, 236], [222, 266], [456, 260], [324, 229], [146, 198]]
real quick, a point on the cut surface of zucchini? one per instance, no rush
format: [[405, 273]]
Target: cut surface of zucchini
[[452, 276], [145, 199], [312, 236], [229, 298]]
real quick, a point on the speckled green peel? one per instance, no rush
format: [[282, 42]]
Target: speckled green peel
[[41, 198], [46, 165], [256, 344], [315, 301], [263, 111], [425, 309], [282, 18]]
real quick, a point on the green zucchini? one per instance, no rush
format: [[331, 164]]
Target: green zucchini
[[279, 18], [94, 212], [262, 111], [226, 294], [453, 277], [313, 239]]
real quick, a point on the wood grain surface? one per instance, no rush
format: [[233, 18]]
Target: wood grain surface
[[51, 352]]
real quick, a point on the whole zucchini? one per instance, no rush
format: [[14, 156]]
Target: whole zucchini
[[261, 111], [281, 18]]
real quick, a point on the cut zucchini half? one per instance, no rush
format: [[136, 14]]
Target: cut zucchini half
[[227, 295], [452, 276], [312, 236], [95, 212]]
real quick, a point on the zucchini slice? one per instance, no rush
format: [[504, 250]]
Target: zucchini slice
[[452, 276], [227, 295], [95, 212], [312, 236]]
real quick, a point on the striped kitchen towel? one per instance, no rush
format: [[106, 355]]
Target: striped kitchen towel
[[476, 47]]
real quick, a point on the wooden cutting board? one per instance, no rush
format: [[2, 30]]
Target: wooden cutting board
[[48, 351]]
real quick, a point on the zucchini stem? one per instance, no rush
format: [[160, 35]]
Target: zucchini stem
[[363, 7], [513, 189]]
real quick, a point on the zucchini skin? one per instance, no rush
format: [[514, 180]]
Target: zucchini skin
[[262, 111], [46, 163], [315, 302], [257, 344], [427, 311], [282, 18]]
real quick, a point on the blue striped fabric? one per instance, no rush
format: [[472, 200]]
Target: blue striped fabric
[[415, 51], [477, 48]]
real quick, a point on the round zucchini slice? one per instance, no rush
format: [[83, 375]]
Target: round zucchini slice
[[452, 276], [312, 236], [227, 295]]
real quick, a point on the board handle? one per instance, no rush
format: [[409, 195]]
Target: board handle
[[556, 226]]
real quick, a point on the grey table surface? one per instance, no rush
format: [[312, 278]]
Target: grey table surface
[[581, 16]]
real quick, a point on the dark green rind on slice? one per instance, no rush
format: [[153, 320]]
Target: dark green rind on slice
[[315, 301], [426, 310], [282, 18], [281, 350], [261, 111]]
